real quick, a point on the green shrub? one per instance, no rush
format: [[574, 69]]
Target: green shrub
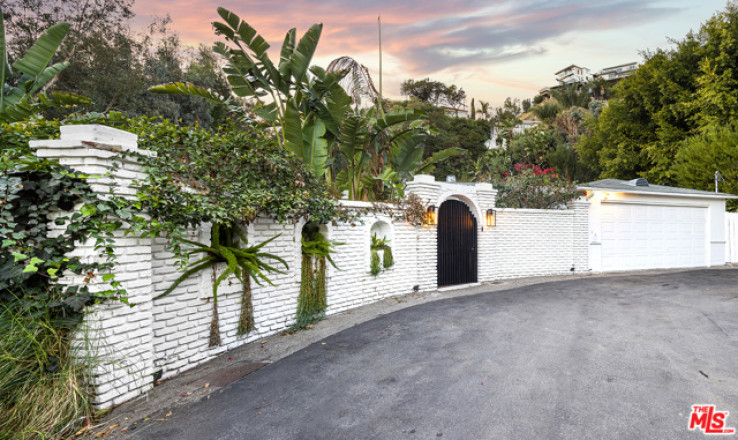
[[716, 149], [387, 259], [532, 187], [374, 265]]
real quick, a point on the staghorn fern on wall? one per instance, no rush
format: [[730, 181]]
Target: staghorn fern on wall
[[312, 302], [387, 259], [244, 263]]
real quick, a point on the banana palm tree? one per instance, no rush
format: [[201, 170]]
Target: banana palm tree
[[546, 111], [357, 82], [381, 152], [484, 109], [22, 98], [306, 104], [571, 95]]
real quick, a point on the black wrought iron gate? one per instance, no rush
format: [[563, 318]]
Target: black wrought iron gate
[[457, 244]]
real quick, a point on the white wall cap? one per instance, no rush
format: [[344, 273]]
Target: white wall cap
[[484, 186], [100, 134], [363, 204], [427, 178]]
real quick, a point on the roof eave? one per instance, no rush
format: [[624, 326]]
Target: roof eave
[[721, 196]]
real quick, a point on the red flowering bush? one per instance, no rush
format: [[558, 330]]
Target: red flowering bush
[[533, 187]]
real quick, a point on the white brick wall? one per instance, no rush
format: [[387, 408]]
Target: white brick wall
[[181, 320], [531, 242], [731, 237], [171, 334]]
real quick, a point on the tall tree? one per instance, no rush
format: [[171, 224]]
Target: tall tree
[[699, 157], [434, 92], [104, 59], [113, 66], [506, 118], [469, 136], [677, 93]]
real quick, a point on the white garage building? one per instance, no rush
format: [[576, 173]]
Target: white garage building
[[634, 225]]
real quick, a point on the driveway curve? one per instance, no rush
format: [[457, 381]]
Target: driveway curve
[[616, 357]]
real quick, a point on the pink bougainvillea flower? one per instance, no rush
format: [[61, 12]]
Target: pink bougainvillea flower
[[230, 359]]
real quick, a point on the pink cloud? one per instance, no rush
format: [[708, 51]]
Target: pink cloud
[[426, 36]]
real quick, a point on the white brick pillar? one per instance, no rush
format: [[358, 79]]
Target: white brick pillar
[[426, 187], [580, 235], [116, 337], [486, 196]]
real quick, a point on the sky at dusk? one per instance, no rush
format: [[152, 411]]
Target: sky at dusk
[[492, 48]]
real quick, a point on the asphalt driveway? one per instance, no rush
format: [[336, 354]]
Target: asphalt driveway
[[620, 357]]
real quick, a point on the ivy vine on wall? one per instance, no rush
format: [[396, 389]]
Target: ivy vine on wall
[[32, 260]]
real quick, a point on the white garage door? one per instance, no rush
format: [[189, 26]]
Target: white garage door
[[638, 237]]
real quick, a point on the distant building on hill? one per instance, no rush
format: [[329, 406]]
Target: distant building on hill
[[573, 74], [581, 75], [616, 73]]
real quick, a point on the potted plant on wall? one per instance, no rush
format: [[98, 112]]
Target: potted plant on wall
[[380, 252]]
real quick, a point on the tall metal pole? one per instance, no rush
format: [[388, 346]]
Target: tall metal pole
[[718, 177], [379, 103]]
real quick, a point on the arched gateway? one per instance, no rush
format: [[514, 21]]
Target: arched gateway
[[457, 244]]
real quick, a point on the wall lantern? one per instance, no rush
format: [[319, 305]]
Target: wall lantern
[[491, 217], [432, 220]]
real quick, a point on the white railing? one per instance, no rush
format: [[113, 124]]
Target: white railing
[[731, 237]]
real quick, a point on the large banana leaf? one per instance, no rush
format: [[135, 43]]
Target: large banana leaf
[[406, 152], [285, 56], [40, 54], [399, 116], [240, 31], [30, 105], [304, 52], [352, 143], [315, 146], [338, 102], [63, 98], [430, 163], [22, 109], [268, 112], [18, 103], [47, 75], [236, 75], [186, 88], [245, 32], [292, 134]]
